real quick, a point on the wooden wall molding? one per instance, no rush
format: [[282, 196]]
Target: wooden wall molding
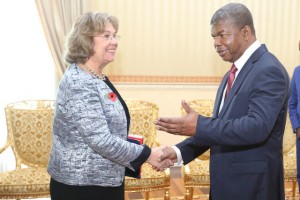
[[165, 79]]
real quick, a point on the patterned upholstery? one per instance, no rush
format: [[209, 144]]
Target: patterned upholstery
[[29, 125], [196, 173], [142, 116], [289, 156]]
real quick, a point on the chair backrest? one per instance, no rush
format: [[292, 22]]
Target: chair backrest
[[29, 124], [202, 106], [142, 116], [205, 108], [289, 137]]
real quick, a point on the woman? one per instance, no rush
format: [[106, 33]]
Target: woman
[[89, 148], [294, 110]]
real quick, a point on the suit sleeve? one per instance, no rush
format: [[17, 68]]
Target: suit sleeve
[[190, 150]]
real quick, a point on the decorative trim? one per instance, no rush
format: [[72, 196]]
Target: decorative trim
[[165, 79], [167, 86]]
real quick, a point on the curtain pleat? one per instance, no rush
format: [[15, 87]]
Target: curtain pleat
[[57, 17]]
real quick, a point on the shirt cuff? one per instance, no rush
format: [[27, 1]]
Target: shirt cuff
[[179, 156]]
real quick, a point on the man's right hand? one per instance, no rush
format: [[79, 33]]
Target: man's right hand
[[168, 154]]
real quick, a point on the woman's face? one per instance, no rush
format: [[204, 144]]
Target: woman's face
[[105, 46]]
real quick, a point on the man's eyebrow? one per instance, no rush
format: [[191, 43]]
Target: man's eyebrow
[[218, 33]]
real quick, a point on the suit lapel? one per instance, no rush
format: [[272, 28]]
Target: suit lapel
[[219, 96], [241, 77]]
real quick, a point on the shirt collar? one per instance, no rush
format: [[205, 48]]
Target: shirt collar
[[246, 55]]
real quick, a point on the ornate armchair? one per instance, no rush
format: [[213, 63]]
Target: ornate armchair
[[142, 115], [196, 173], [29, 126], [289, 157]]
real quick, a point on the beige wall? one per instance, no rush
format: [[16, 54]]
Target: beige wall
[[168, 98], [172, 37]]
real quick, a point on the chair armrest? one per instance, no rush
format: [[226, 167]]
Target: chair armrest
[[8, 143]]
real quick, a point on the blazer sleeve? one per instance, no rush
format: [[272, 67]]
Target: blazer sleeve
[[293, 101]]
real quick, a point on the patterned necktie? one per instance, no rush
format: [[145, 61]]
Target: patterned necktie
[[230, 79]]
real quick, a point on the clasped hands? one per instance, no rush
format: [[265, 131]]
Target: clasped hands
[[164, 156]]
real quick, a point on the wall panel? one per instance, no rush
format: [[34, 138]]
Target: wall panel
[[171, 38]]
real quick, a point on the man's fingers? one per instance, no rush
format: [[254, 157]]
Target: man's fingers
[[168, 130], [162, 123], [163, 157], [168, 127], [170, 120], [170, 163]]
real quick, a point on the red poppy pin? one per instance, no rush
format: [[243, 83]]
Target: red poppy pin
[[112, 96]]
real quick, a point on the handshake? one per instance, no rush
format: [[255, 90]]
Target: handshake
[[162, 157]]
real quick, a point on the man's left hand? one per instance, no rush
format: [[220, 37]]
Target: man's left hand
[[185, 125]]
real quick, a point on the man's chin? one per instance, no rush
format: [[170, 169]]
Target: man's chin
[[225, 59]]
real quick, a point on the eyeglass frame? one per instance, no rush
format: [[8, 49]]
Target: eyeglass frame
[[109, 37]]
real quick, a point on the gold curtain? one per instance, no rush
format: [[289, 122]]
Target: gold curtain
[[57, 17]]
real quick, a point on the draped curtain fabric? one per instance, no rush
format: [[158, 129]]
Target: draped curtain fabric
[[57, 17]]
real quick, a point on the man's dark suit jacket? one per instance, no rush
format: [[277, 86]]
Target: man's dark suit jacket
[[245, 137]]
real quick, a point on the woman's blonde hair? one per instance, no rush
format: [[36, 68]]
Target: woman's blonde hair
[[79, 42]]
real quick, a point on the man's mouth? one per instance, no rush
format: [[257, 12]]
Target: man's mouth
[[222, 52]]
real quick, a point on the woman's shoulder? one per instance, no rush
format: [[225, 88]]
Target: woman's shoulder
[[75, 76], [297, 68], [75, 72]]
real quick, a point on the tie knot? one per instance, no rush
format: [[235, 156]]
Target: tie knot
[[233, 68]]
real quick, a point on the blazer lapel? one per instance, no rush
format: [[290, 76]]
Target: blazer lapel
[[241, 77]]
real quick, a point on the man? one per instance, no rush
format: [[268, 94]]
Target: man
[[294, 108], [246, 131]]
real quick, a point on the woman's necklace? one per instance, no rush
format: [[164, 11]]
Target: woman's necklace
[[102, 76]]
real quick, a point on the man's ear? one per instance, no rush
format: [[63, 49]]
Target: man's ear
[[246, 31]]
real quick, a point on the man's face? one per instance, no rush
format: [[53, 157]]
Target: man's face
[[228, 40]]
